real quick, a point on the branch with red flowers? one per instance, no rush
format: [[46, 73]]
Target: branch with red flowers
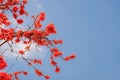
[[35, 34]]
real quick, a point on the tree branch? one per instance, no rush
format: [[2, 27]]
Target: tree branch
[[3, 43]]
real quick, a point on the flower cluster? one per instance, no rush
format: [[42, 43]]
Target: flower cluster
[[4, 20], [39, 73], [3, 63], [5, 76], [15, 74], [39, 18]]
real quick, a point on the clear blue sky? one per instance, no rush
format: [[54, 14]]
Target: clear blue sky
[[89, 28]]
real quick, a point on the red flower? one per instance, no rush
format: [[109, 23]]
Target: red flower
[[50, 29], [19, 72], [4, 19], [57, 69], [7, 23], [53, 63], [57, 41], [15, 15], [42, 16], [72, 56], [60, 41], [5, 76], [22, 10], [37, 24], [67, 58], [17, 40], [3, 64], [25, 1], [1, 1], [35, 61], [54, 50], [38, 72], [21, 52], [47, 77], [56, 54], [15, 8], [25, 42], [19, 21]]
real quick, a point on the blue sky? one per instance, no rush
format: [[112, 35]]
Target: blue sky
[[89, 28]]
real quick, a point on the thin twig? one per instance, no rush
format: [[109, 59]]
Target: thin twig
[[10, 46], [3, 43], [9, 68], [28, 62]]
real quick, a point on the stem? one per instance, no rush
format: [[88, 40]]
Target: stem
[[10, 46], [3, 43], [28, 62], [9, 68]]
